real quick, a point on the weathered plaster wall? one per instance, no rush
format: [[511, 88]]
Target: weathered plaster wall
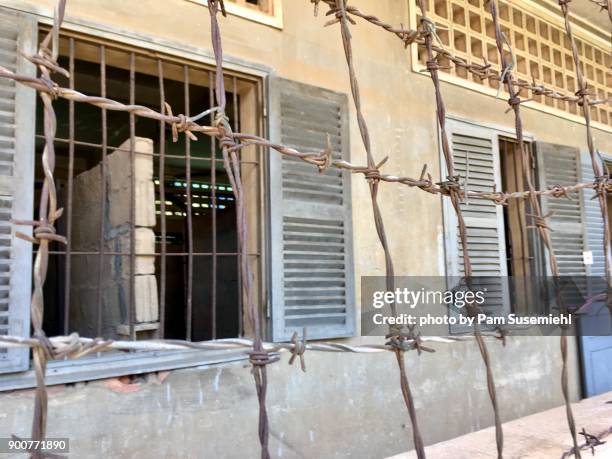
[[345, 405]]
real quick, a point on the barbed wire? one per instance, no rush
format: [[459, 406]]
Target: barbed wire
[[539, 219], [44, 228], [484, 71], [397, 336], [322, 159], [583, 93], [605, 5], [74, 346], [261, 353], [429, 33]]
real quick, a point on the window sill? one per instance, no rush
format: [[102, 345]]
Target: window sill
[[119, 364], [273, 20]]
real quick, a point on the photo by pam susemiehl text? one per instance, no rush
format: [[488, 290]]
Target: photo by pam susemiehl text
[[442, 305], [461, 319]]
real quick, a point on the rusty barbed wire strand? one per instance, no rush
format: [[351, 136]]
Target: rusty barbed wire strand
[[44, 227], [583, 93], [605, 5], [259, 356], [602, 193], [322, 159], [483, 71], [74, 346], [453, 187], [540, 224], [396, 336], [45, 348], [591, 441]]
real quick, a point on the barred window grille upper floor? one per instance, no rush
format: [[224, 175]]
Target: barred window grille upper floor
[[542, 50], [265, 6]]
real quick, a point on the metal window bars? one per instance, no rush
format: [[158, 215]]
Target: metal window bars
[[189, 193]]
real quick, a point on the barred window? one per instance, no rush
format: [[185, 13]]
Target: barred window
[[541, 48], [151, 223], [265, 6]]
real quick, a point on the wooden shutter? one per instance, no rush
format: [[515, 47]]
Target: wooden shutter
[[476, 154], [560, 165], [17, 116], [311, 238], [594, 230]]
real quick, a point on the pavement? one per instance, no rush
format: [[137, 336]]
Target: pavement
[[541, 435]]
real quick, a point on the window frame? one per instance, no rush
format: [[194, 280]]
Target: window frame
[[273, 19], [458, 123], [109, 365]]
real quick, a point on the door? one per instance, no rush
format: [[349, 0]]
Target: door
[[595, 328]]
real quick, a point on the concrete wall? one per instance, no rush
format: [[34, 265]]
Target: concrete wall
[[346, 405]]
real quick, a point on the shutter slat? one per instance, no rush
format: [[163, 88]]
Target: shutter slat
[[312, 280]]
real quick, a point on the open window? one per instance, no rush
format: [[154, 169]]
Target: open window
[[151, 223], [151, 226], [502, 240]]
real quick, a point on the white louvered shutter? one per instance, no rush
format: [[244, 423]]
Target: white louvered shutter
[[476, 154], [593, 229], [593, 220], [561, 165], [311, 239], [17, 117]]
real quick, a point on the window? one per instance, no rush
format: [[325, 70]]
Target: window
[[268, 12], [265, 6], [151, 223], [498, 241], [541, 48]]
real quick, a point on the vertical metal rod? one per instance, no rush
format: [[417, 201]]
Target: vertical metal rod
[[103, 190], [68, 265], [189, 321], [213, 204], [132, 288], [261, 167], [235, 127], [162, 202]]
